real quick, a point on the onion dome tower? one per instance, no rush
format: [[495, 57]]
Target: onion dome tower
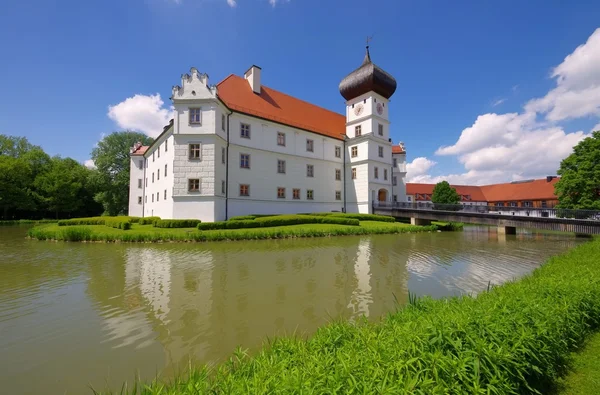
[[368, 77]]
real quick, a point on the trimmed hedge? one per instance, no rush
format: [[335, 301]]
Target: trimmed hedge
[[279, 220], [148, 220], [83, 221], [360, 217], [242, 217], [514, 339], [176, 223], [118, 223]]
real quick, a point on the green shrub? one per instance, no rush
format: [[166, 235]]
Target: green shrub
[[148, 220], [118, 223], [135, 220], [360, 217], [27, 222], [449, 226], [278, 220], [176, 223], [82, 221], [514, 339], [242, 218]]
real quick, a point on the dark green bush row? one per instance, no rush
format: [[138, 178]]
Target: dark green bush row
[[27, 221], [449, 226], [360, 217], [148, 220], [176, 223], [85, 233], [514, 339], [82, 221], [242, 218], [118, 223], [279, 220]]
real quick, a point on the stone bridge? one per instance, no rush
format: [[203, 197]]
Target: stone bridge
[[584, 222]]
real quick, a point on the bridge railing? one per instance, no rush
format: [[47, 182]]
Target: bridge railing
[[590, 215]]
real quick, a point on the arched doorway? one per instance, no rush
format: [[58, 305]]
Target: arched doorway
[[382, 195]]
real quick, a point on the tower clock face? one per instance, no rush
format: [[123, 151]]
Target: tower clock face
[[358, 109], [379, 108]]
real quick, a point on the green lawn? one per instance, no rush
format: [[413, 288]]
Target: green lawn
[[148, 233], [584, 377]]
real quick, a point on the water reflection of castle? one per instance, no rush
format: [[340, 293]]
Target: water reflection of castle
[[204, 303]]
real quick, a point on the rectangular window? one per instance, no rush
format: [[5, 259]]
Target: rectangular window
[[499, 204], [544, 204], [152, 177], [158, 151], [385, 174], [281, 139], [165, 194], [310, 145], [141, 163], [309, 194], [223, 187], [296, 193], [195, 151], [394, 181], [223, 122], [146, 181], [513, 204], [310, 171], [357, 130], [245, 161], [139, 200], [395, 198], [244, 190], [166, 145], [354, 173], [153, 156], [223, 155], [245, 130], [194, 185], [146, 199], [395, 162], [158, 174], [157, 196], [338, 195], [354, 152], [280, 193], [195, 116], [380, 129], [152, 198], [139, 183], [338, 174], [528, 204], [380, 152], [338, 152], [165, 170], [376, 172], [280, 166]]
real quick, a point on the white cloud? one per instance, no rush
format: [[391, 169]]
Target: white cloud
[[89, 164], [577, 93], [142, 113], [498, 102], [418, 167], [597, 127], [232, 3], [513, 146], [275, 2]]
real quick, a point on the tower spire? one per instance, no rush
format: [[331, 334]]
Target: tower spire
[[367, 54]]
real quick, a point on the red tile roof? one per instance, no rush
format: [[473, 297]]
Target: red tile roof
[[540, 189], [275, 106], [141, 150], [398, 149]]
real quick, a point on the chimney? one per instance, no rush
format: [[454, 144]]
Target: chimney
[[253, 78], [550, 178]]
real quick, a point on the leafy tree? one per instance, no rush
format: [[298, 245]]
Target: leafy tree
[[14, 146], [112, 161], [443, 193], [579, 185], [15, 185], [60, 187]]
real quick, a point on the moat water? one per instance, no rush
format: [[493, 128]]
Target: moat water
[[79, 315]]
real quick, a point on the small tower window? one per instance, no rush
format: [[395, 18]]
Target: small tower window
[[357, 130]]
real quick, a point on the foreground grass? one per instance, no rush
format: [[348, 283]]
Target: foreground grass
[[514, 339], [584, 377], [148, 233]]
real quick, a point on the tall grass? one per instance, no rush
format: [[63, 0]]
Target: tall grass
[[102, 233], [513, 339]]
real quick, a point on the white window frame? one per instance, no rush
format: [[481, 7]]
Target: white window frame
[[358, 131], [280, 166], [296, 193], [310, 145], [338, 195], [242, 155], [195, 115], [245, 130], [310, 194], [338, 174], [193, 149], [354, 151], [310, 171], [280, 195], [376, 173], [247, 190], [338, 151], [380, 151], [190, 180], [380, 129], [281, 139]]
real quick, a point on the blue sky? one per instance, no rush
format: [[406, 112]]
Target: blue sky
[[459, 65]]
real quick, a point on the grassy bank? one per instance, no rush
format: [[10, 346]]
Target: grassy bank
[[148, 233], [584, 377], [27, 222], [516, 338]]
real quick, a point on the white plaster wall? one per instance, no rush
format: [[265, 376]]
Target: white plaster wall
[[204, 208], [160, 207], [369, 101], [136, 171], [400, 173]]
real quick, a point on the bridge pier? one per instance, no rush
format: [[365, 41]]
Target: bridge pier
[[507, 230], [420, 222]]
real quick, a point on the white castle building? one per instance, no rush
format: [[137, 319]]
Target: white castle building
[[240, 147]]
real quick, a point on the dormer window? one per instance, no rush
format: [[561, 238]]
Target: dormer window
[[195, 116]]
